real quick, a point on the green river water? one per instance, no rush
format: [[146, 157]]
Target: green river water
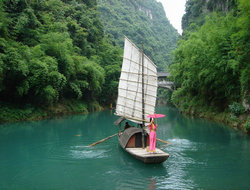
[[54, 155]]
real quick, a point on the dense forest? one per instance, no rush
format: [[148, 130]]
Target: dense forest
[[54, 56], [211, 64], [143, 21], [60, 56], [197, 10]]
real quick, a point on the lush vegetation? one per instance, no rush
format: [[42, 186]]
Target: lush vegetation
[[143, 21], [211, 66], [52, 51], [196, 10]]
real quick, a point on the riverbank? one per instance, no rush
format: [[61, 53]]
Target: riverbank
[[14, 113], [238, 122]]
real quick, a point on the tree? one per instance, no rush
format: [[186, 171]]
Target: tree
[[209, 68], [54, 50]]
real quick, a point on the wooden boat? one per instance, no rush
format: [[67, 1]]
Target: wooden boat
[[137, 94], [130, 141]]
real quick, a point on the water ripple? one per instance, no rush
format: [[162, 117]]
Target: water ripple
[[86, 154]]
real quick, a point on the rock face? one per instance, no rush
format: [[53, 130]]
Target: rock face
[[246, 105], [147, 12], [221, 5]]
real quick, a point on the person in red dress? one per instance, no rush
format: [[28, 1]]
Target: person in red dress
[[152, 135]]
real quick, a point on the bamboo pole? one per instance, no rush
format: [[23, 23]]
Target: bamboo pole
[[143, 101], [100, 141], [162, 141]]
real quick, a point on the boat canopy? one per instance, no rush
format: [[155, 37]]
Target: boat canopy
[[129, 101], [119, 120], [127, 134]]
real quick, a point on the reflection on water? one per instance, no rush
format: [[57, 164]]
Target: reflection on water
[[152, 184], [54, 154]]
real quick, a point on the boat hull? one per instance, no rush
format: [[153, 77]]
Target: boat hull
[[130, 141], [146, 157]]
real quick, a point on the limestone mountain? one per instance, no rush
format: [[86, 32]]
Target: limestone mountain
[[196, 10], [143, 21]]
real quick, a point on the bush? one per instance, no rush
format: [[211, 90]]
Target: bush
[[247, 125], [94, 106], [236, 108]]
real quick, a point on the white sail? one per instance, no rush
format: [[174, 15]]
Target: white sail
[[129, 102]]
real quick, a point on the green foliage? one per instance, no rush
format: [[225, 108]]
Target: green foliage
[[94, 77], [196, 11], [111, 62], [75, 106], [241, 44], [53, 50], [236, 108], [9, 112], [1, 75], [94, 106], [247, 125], [211, 64], [3, 23], [143, 21], [163, 94], [220, 5], [50, 95]]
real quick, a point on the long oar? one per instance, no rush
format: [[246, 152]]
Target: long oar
[[162, 141], [100, 141]]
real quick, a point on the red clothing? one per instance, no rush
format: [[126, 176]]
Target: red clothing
[[152, 127]]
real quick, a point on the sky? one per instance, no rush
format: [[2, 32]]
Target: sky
[[174, 10]]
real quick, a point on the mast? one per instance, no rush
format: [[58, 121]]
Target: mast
[[143, 103]]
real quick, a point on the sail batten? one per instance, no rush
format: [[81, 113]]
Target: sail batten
[[129, 102], [135, 62], [133, 91]]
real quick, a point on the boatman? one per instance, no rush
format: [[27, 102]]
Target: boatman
[[126, 126]]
